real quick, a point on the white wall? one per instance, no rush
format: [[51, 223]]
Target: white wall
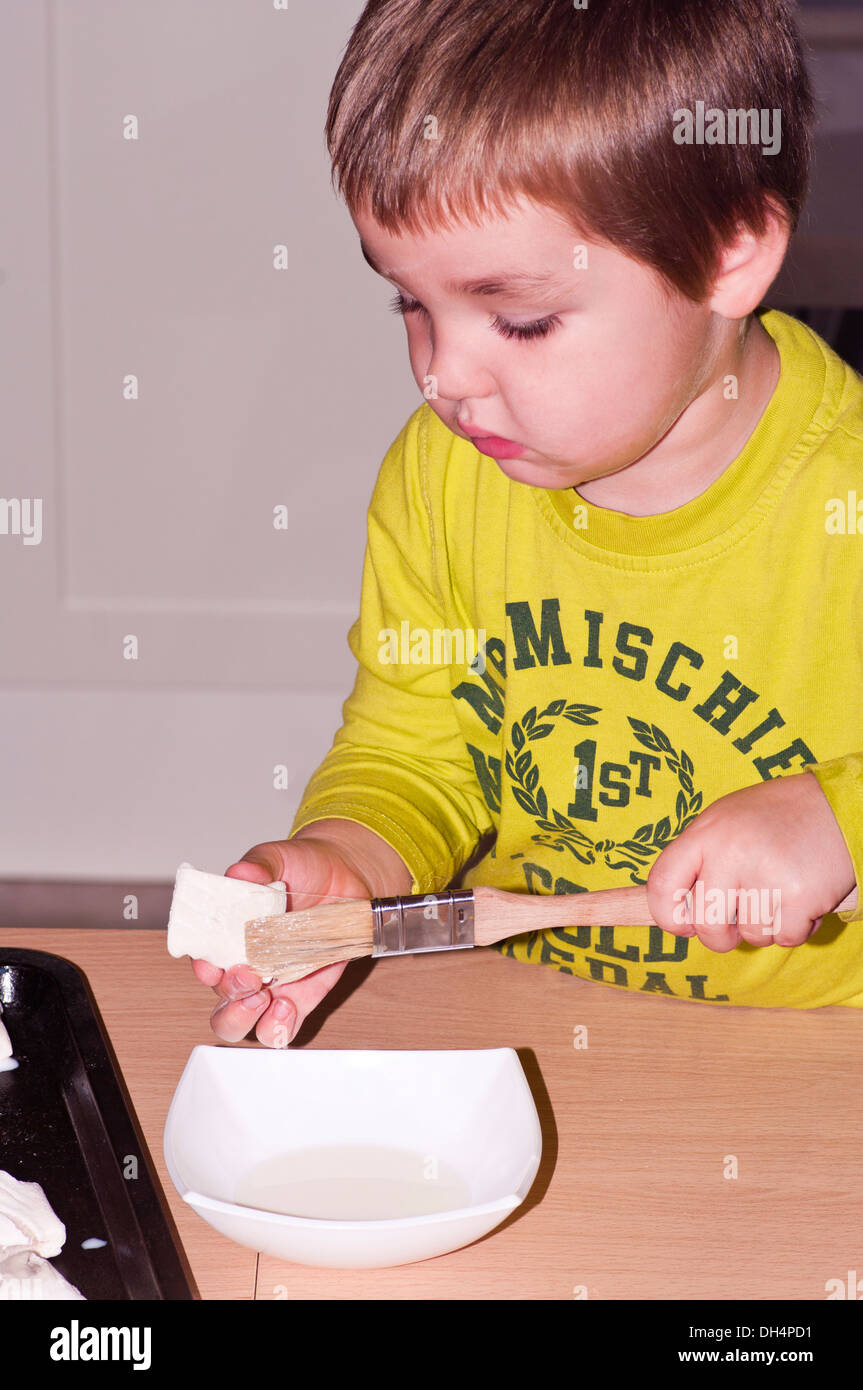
[[257, 387]]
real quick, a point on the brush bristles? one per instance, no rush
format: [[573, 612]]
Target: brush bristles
[[294, 944]]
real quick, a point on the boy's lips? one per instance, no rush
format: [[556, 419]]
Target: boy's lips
[[494, 446]]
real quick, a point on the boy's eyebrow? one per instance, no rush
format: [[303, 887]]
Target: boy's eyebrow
[[516, 284]]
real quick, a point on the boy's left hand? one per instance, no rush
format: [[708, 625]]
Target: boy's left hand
[[780, 834]]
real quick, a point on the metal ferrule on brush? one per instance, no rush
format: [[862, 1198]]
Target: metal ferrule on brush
[[433, 922]]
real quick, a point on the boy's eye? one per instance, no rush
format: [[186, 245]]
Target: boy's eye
[[540, 328]]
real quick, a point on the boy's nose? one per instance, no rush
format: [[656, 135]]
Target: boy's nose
[[456, 376]]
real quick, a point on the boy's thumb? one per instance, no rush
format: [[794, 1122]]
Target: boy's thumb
[[263, 864]]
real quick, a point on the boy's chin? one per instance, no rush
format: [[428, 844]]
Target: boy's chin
[[550, 476]]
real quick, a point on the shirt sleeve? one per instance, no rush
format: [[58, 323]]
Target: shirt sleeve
[[399, 764], [841, 780]]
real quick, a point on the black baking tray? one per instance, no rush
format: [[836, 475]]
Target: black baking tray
[[67, 1122]]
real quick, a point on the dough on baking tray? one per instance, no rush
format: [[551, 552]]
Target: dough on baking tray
[[30, 1232]]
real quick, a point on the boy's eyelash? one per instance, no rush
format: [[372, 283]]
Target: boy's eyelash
[[540, 328]]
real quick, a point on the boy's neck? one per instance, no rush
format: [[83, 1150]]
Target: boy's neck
[[706, 438]]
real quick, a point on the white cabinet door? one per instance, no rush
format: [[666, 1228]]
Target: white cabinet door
[[168, 392]]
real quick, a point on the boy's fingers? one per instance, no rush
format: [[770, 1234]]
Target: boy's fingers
[[673, 871], [233, 1019], [240, 980], [235, 983], [279, 1023], [263, 863], [717, 937], [278, 1012], [791, 925], [768, 918], [717, 928], [293, 1002], [310, 990], [208, 974]]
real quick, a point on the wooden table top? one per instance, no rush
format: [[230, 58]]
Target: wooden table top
[[643, 1128]]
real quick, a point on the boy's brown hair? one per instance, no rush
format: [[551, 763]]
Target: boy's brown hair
[[573, 108]]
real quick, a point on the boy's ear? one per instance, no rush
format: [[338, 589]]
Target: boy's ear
[[749, 266]]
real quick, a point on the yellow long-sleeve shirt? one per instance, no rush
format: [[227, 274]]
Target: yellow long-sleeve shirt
[[616, 675]]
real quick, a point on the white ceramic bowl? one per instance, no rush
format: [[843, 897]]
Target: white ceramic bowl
[[464, 1123]]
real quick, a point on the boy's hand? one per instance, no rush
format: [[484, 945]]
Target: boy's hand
[[779, 834], [312, 869]]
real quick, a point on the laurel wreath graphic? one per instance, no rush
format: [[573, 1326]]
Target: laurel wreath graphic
[[563, 834]]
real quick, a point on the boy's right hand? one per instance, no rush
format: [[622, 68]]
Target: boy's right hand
[[312, 869]]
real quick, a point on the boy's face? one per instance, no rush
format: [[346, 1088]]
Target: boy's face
[[619, 365]]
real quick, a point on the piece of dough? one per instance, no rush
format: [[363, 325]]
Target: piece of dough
[[28, 1276], [27, 1220], [5, 1043], [209, 913], [30, 1230]]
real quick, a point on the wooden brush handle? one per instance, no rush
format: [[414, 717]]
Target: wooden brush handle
[[498, 915]]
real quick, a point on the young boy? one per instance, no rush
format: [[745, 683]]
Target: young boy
[[609, 627]]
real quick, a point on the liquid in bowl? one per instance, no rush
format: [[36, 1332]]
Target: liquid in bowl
[[356, 1182]]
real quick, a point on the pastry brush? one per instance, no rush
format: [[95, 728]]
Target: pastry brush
[[293, 944]]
